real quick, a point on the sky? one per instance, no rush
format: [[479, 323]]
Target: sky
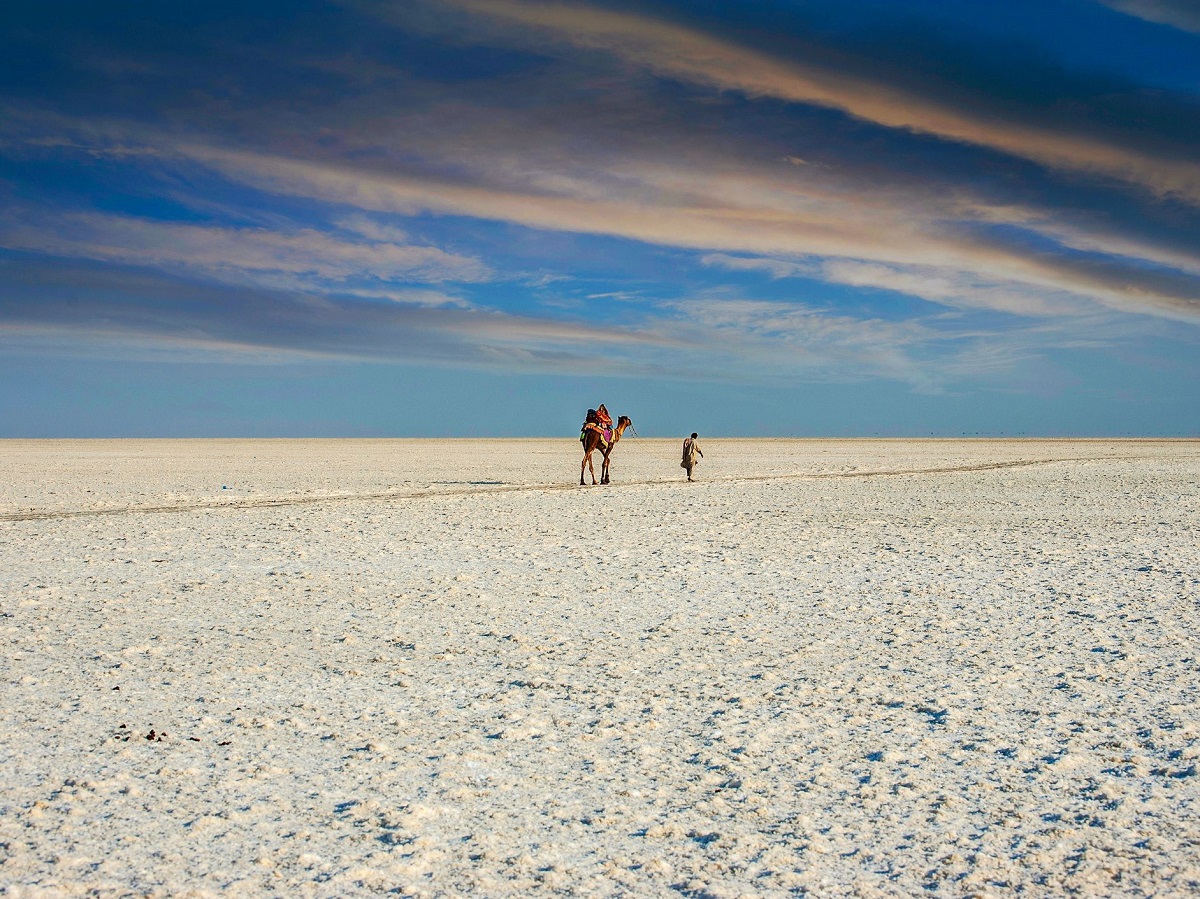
[[482, 217]]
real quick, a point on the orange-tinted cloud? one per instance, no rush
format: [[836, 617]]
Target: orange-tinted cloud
[[749, 212], [676, 51]]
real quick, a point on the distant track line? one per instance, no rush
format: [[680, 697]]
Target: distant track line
[[280, 502]]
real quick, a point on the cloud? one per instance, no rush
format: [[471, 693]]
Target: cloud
[[789, 341], [1094, 237], [776, 268], [937, 284], [71, 340], [372, 230], [743, 210], [782, 341], [585, 144], [74, 303], [680, 52], [954, 288], [415, 297], [303, 257], [751, 211], [695, 177], [1182, 14], [108, 312]]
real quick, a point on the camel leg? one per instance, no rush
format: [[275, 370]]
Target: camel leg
[[587, 463], [604, 470]]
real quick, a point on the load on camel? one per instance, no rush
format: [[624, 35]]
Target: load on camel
[[598, 433]]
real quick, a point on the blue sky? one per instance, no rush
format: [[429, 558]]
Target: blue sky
[[481, 217]]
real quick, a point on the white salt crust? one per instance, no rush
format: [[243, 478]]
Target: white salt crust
[[440, 668]]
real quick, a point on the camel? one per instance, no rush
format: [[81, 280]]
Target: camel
[[592, 441]]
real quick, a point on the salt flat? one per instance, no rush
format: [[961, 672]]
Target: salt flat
[[440, 668]]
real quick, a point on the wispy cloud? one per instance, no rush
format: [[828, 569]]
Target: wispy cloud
[[686, 53], [1182, 14], [111, 313], [949, 287], [789, 340], [775, 268], [757, 212], [637, 177], [303, 257], [446, 209], [795, 338], [68, 303], [937, 284], [1094, 237]]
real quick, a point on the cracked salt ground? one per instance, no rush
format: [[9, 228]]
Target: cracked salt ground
[[801, 675]]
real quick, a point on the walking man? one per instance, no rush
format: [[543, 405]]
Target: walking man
[[691, 449]]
